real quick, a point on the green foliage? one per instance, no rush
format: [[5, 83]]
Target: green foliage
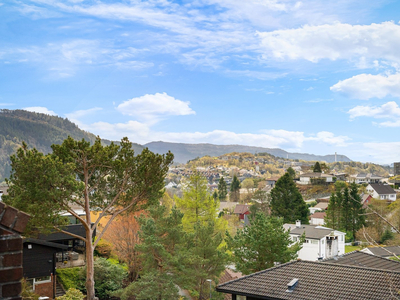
[[317, 168], [312, 204], [287, 202], [345, 211], [235, 190], [70, 278], [108, 277], [103, 249], [26, 291], [291, 172], [387, 235], [197, 204], [222, 189], [261, 244], [72, 294]]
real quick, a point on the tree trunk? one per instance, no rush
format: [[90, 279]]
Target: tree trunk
[[89, 267]]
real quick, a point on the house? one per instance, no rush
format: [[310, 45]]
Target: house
[[381, 191], [383, 251], [318, 218], [366, 200], [229, 275], [12, 225], [320, 242], [310, 178], [228, 206], [242, 210], [320, 206], [364, 259], [314, 280], [365, 178], [272, 181], [39, 265]]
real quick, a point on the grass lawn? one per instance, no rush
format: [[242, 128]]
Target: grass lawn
[[352, 248]]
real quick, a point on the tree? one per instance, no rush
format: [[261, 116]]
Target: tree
[[124, 234], [197, 204], [110, 179], [331, 218], [357, 213], [222, 189], [291, 172], [235, 190], [287, 202], [206, 260], [262, 244], [215, 195], [317, 168]]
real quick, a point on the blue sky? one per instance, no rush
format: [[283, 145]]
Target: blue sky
[[305, 76]]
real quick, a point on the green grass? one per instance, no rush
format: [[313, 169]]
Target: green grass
[[348, 249]]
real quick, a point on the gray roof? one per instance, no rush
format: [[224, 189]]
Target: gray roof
[[380, 251], [312, 231], [315, 174], [382, 189], [316, 280], [363, 259]]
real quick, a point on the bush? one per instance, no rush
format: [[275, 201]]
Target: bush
[[72, 294], [103, 249], [70, 278], [27, 292], [349, 237], [107, 277], [387, 235]]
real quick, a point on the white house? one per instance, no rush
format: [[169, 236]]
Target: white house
[[321, 242], [318, 218], [366, 178], [307, 177], [381, 191]]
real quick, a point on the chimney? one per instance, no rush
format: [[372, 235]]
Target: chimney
[[298, 223]]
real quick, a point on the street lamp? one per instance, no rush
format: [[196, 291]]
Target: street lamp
[[209, 280]]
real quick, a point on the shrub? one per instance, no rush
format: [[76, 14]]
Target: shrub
[[70, 278], [27, 292], [72, 294], [103, 249]]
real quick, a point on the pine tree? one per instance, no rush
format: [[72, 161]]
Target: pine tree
[[222, 189], [262, 244], [287, 202], [235, 190], [346, 210]]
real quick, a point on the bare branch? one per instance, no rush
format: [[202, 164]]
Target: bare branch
[[69, 233]]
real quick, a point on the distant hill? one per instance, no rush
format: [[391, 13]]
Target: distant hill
[[185, 152], [39, 131]]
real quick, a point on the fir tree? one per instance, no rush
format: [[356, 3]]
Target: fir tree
[[357, 210], [235, 190], [287, 202], [331, 213], [222, 189]]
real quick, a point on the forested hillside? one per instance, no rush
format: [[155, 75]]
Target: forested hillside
[[38, 130]]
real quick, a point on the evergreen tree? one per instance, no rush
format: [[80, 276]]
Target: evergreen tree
[[235, 190], [357, 210], [291, 172], [215, 195], [331, 213], [262, 244], [346, 210], [317, 168], [206, 259], [222, 189], [287, 202]]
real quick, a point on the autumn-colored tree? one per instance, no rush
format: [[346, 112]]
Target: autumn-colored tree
[[124, 234]]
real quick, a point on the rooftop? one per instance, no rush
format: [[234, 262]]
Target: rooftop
[[316, 280], [382, 188], [311, 231]]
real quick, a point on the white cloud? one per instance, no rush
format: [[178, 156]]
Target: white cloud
[[151, 108], [366, 86], [40, 109], [389, 110], [77, 115], [384, 153], [333, 42], [330, 139]]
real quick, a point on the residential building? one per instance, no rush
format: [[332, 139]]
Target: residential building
[[242, 210], [397, 168], [383, 251], [320, 206], [314, 280], [318, 218], [365, 178], [320, 242], [310, 178], [381, 191]]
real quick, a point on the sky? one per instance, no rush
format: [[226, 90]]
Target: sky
[[305, 76]]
